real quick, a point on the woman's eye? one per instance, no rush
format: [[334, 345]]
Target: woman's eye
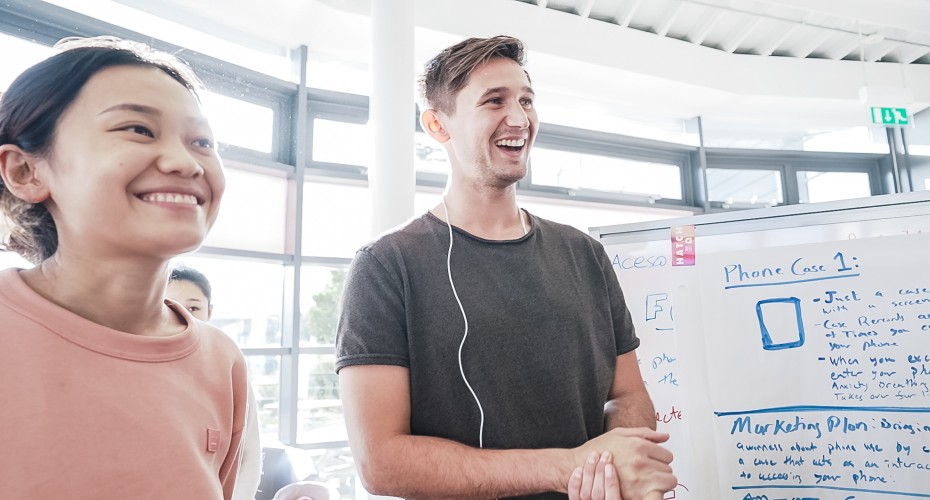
[[204, 143], [193, 309], [141, 130]]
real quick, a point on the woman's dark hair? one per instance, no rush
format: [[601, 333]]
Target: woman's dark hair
[[31, 108], [196, 277]]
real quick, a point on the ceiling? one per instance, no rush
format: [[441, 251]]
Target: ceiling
[[776, 67]]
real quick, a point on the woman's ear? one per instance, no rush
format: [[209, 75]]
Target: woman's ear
[[432, 125], [18, 170]]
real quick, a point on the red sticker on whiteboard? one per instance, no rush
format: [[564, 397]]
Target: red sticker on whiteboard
[[683, 246]]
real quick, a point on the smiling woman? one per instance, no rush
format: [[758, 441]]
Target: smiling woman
[[108, 171]]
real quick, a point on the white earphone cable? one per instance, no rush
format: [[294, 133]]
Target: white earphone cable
[[465, 319]]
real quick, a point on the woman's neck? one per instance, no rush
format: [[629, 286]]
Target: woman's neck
[[125, 295]]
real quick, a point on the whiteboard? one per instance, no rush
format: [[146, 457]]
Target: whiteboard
[[745, 333]]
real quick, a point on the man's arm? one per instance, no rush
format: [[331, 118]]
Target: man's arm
[[628, 404], [391, 461], [641, 464]]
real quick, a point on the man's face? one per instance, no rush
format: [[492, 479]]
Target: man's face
[[493, 126]]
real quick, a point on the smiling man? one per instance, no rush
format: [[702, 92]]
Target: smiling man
[[484, 352]]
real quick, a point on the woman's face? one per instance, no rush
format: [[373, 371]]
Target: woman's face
[[133, 170], [189, 295]]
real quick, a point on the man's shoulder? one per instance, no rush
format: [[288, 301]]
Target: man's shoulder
[[405, 237], [565, 231]]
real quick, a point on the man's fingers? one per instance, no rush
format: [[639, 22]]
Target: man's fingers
[[574, 484], [611, 483], [597, 488], [587, 481]]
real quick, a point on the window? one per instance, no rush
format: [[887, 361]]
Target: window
[[744, 188], [337, 219], [320, 294], [10, 259], [196, 30], [341, 142], [252, 214], [577, 171], [815, 187], [238, 122], [18, 55], [429, 155], [247, 297]]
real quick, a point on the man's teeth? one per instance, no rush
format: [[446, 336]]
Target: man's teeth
[[187, 199], [513, 143]]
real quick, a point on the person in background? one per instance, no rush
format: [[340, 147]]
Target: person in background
[[483, 351], [109, 170], [190, 288]]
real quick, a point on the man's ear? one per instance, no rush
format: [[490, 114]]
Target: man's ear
[[432, 125], [18, 170]]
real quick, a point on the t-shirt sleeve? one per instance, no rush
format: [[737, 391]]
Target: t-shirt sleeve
[[372, 323], [624, 331]]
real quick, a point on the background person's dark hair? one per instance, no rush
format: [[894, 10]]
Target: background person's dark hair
[[30, 110], [447, 73], [182, 273]]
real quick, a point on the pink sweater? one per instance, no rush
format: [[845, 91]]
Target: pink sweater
[[87, 412]]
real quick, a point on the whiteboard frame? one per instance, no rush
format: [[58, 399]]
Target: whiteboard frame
[[764, 219]]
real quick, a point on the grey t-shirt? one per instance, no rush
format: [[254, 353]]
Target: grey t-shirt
[[546, 320]]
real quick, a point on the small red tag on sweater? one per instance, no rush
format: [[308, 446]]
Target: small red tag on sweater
[[213, 440]]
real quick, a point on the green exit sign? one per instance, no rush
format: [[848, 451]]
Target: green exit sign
[[890, 116]]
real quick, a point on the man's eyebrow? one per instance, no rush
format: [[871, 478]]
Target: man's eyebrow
[[504, 90], [138, 108]]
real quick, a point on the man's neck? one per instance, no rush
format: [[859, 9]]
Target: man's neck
[[492, 215]]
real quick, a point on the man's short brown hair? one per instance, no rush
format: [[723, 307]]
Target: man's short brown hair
[[448, 72]]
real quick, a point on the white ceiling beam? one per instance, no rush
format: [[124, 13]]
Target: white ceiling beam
[[705, 29], [844, 47], [880, 50], [670, 20], [741, 35], [628, 16], [911, 15], [780, 39], [913, 53], [817, 40], [585, 10]]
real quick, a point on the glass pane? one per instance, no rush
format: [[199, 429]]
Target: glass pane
[[247, 298], [852, 140], [429, 155], [10, 259], [238, 122], [576, 171], [333, 467], [584, 216], [341, 142], [337, 219], [18, 54], [326, 72], [741, 134], [744, 188], [319, 409], [815, 187], [193, 26], [320, 294], [252, 215], [265, 377]]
